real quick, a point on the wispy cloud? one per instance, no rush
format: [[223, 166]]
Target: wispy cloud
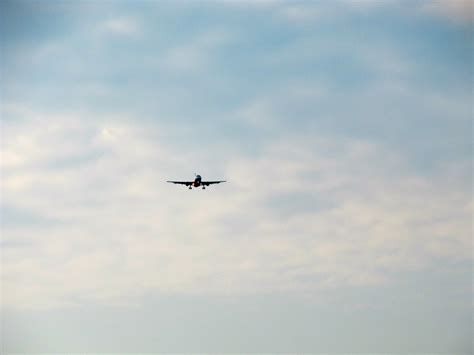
[[300, 13], [126, 26], [458, 11]]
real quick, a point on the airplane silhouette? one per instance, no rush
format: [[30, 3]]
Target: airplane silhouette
[[197, 182]]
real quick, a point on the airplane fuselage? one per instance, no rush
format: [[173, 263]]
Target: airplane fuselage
[[197, 181]]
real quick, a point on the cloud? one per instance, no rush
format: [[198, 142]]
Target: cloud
[[304, 214], [94, 220], [307, 12], [366, 3], [458, 11], [124, 26], [300, 13]]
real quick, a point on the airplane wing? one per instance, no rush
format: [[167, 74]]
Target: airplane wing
[[187, 183], [207, 183]]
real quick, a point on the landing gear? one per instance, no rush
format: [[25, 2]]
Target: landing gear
[[204, 187], [190, 187]]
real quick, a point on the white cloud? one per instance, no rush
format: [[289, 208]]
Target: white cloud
[[307, 213], [126, 26]]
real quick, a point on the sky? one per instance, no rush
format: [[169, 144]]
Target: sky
[[343, 129]]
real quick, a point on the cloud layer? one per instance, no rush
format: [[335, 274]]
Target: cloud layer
[[306, 213]]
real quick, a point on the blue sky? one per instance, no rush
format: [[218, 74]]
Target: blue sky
[[343, 129]]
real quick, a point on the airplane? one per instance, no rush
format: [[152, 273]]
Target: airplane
[[197, 182]]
